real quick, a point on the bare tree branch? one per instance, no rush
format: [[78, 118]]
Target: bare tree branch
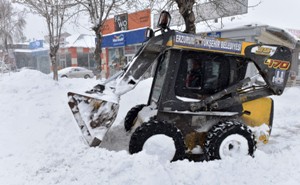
[[189, 13], [56, 13], [99, 11], [12, 23]]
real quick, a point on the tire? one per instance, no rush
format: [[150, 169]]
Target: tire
[[131, 116], [86, 76], [64, 76], [229, 139], [152, 128]]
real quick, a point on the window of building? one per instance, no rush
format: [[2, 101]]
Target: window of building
[[82, 59], [115, 59]]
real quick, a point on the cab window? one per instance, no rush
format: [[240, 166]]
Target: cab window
[[160, 75], [202, 74]]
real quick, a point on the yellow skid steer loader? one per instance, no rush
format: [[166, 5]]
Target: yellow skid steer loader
[[201, 95]]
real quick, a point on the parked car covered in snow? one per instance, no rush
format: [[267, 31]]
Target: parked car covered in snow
[[75, 72]]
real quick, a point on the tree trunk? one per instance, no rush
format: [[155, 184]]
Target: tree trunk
[[6, 45], [97, 54], [54, 65], [189, 20], [186, 11]]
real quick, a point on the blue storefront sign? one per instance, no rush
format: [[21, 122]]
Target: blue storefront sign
[[118, 40], [214, 34], [124, 38], [36, 44]]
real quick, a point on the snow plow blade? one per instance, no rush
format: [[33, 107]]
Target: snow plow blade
[[93, 116]]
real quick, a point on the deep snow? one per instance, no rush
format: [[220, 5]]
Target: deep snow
[[41, 144]]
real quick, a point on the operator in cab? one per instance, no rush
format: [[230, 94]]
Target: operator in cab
[[194, 75]]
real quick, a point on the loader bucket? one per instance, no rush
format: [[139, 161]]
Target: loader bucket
[[93, 116]]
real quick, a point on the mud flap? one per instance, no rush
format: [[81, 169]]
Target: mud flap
[[93, 116]]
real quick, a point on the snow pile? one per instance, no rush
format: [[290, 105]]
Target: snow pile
[[40, 143]]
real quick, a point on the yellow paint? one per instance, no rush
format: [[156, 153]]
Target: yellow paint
[[264, 139], [170, 43], [283, 65], [203, 49], [194, 138], [260, 112], [244, 45], [263, 51]]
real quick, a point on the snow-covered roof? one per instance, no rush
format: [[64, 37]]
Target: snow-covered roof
[[80, 40], [284, 34], [281, 33], [31, 50], [268, 28], [124, 31], [76, 40]]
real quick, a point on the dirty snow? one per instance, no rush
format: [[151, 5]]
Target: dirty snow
[[40, 143]]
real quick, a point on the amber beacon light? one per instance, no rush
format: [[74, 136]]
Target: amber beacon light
[[164, 20]]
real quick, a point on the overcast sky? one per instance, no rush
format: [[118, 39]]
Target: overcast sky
[[279, 13]]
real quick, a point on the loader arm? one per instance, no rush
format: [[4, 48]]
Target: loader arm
[[141, 63], [273, 63], [131, 75]]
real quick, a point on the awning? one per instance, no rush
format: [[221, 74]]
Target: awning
[[124, 38]]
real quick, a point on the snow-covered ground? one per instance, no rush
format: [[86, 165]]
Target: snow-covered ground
[[40, 143]]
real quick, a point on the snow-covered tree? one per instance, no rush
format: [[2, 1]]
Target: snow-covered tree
[[99, 11], [12, 23], [55, 13], [190, 11]]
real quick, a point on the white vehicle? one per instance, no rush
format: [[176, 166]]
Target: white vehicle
[[75, 72]]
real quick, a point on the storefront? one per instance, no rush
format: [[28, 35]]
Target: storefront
[[78, 50], [123, 35], [33, 55], [119, 48]]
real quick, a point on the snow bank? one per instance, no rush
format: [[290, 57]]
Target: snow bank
[[40, 143]]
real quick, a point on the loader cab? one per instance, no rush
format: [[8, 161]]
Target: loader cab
[[185, 76], [201, 74]]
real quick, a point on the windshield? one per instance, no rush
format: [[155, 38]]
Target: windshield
[[202, 73], [161, 72]]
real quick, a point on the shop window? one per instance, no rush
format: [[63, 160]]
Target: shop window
[[116, 60], [68, 60], [91, 61], [82, 59], [130, 50]]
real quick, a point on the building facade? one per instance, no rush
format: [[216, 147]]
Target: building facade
[[123, 35], [77, 51], [119, 48], [33, 55]]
